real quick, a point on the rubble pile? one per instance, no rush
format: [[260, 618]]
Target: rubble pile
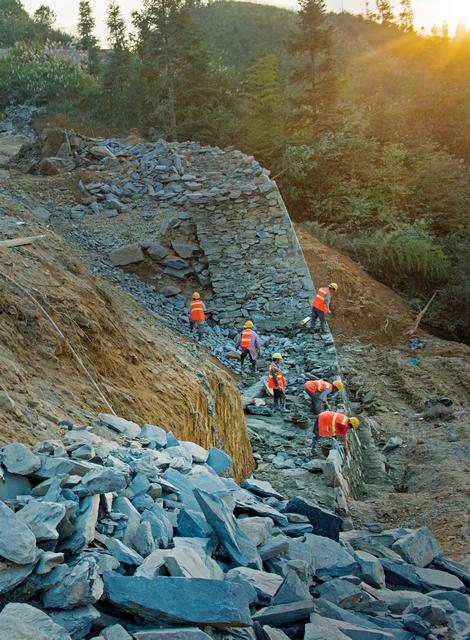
[[121, 533]]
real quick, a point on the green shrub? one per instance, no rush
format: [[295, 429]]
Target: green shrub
[[32, 74]]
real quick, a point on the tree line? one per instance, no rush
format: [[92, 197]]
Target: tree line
[[362, 118]]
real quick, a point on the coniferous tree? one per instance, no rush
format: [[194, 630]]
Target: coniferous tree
[[87, 42], [385, 13], [183, 94], [314, 86], [406, 16], [45, 16], [262, 131]]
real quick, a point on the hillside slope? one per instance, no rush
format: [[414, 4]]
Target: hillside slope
[[430, 469], [147, 373]]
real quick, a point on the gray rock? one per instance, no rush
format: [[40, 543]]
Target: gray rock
[[198, 453], [235, 542], [249, 503], [418, 548], [460, 626], [41, 214], [180, 600], [17, 458], [121, 552], [460, 570], [330, 558], [392, 444], [120, 425], [324, 523], [52, 467], [143, 541], [176, 633], [162, 529], [274, 634], [422, 579], [260, 488], [77, 621], [124, 506], [84, 525], [292, 589], [129, 254], [175, 263], [82, 586], [115, 632], [13, 485], [218, 460], [371, 570], [332, 627], [84, 452], [458, 600], [258, 529], [265, 584], [17, 541], [187, 562], [23, 622], [169, 291], [157, 251], [152, 566], [185, 249], [285, 614], [273, 547], [341, 592], [42, 518], [12, 575], [415, 624], [101, 480], [155, 434], [48, 561]]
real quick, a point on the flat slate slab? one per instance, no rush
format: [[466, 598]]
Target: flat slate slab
[[23, 622], [188, 601], [324, 522], [17, 541], [283, 615]]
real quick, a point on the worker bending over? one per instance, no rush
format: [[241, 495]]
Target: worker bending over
[[277, 382], [321, 306], [318, 392], [250, 345], [197, 315], [330, 424]]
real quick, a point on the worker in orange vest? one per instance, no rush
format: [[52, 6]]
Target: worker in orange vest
[[197, 315], [318, 392], [277, 382], [250, 345], [330, 424], [321, 305]]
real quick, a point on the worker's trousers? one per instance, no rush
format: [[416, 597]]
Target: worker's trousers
[[279, 399], [246, 353], [316, 404], [318, 315], [315, 436], [198, 327]]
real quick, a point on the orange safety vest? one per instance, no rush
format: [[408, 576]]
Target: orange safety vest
[[317, 386], [319, 300], [281, 381], [246, 338], [197, 310], [329, 422]]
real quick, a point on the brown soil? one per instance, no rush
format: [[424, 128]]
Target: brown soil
[[147, 373], [431, 474]]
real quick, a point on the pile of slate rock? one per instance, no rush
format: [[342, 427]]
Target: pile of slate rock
[[121, 533]]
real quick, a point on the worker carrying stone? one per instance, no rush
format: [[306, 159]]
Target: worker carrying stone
[[197, 315], [318, 392], [250, 345], [321, 306], [330, 424], [277, 382]]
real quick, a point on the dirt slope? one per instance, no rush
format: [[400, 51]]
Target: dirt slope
[[147, 373], [430, 470]]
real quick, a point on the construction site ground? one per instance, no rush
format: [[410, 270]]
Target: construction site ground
[[125, 349]]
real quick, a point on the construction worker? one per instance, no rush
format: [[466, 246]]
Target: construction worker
[[197, 315], [321, 306], [330, 424], [318, 392], [277, 382], [250, 345]]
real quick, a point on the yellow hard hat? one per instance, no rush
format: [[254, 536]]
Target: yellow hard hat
[[338, 384], [248, 324], [333, 286], [276, 356], [354, 422], [196, 295]]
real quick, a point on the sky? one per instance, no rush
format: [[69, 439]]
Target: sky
[[427, 12]]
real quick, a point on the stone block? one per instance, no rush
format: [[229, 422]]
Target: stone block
[[218, 460], [128, 254], [330, 558], [23, 622], [42, 518], [81, 586], [17, 458], [120, 425], [418, 548], [324, 522], [285, 614], [17, 541], [265, 584]]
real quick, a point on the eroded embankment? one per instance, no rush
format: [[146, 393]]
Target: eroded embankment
[[146, 372]]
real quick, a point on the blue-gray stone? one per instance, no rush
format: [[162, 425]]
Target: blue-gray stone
[[218, 460], [458, 569], [260, 488], [178, 480], [330, 558], [42, 518], [155, 434], [232, 538], [77, 622], [285, 614], [124, 506], [143, 541], [249, 503], [17, 458], [23, 622], [162, 529], [101, 480], [175, 633], [193, 525], [12, 575], [13, 485], [324, 523], [416, 625], [371, 570], [84, 524], [458, 600], [81, 586], [187, 601], [17, 541], [419, 547], [292, 589], [115, 632], [422, 579], [122, 552], [341, 592]]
